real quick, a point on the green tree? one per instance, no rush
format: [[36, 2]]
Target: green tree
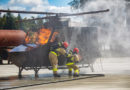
[[25, 25], [33, 25], [3, 21], [1, 24], [39, 23], [78, 3], [10, 21], [29, 25], [19, 25], [81, 3]]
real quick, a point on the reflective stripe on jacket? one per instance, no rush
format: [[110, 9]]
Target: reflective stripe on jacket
[[72, 59], [70, 63], [59, 51], [54, 53]]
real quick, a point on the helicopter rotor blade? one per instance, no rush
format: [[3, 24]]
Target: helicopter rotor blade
[[84, 13], [30, 12], [59, 14], [67, 14]]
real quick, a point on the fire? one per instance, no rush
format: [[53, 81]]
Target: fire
[[27, 39], [53, 36], [31, 37], [43, 36], [40, 37]]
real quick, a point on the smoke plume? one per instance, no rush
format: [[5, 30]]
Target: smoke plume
[[113, 32]]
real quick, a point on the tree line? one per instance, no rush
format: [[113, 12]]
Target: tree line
[[76, 4], [9, 21]]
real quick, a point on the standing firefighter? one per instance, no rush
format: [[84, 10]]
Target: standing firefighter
[[57, 50], [73, 58]]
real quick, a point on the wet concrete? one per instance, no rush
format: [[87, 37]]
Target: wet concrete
[[116, 70], [14, 83], [109, 82]]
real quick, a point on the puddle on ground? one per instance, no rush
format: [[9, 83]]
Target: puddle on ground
[[30, 80], [14, 81]]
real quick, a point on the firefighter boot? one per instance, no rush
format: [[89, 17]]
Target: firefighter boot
[[55, 71], [76, 73], [56, 75]]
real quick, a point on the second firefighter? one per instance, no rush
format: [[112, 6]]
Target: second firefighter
[[72, 59]]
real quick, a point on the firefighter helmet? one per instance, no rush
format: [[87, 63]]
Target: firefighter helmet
[[65, 44], [76, 50]]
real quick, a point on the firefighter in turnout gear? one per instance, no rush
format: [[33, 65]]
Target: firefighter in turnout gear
[[73, 58], [57, 50]]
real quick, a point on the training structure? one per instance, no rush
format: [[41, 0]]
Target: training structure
[[37, 58]]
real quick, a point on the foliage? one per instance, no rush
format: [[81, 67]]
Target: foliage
[[9, 21], [75, 4], [78, 3]]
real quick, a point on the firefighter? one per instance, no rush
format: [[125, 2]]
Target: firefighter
[[72, 59], [57, 50]]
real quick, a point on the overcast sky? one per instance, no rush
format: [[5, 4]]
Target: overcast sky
[[36, 5]]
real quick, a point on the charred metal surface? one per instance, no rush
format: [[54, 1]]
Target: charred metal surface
[[32, 59]]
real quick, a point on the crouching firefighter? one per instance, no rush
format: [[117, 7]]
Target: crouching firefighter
[[72, 59], [57, 50]]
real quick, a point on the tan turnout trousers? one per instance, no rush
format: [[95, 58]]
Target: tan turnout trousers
[[53, 57], [71, 65]]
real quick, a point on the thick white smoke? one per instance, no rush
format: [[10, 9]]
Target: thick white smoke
[[112, 26]]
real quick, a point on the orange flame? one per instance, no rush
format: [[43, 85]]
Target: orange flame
[[31, 37], [27, 39], [44, 36], [40, 38], [53, 36]]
